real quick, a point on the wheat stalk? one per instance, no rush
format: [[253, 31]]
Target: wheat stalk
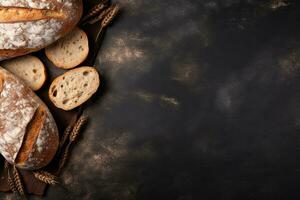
[[17, 181], [63, 158], [100, 16], [65, 136], [78, 125], [97, 9], [46, 177], [110, 15]]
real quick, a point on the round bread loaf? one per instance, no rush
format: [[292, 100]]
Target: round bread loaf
[[28, 133], [30, 25]]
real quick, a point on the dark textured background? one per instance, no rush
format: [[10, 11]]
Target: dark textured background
[[201, 101]]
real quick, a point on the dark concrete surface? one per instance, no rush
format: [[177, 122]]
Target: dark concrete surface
[[201, 101]]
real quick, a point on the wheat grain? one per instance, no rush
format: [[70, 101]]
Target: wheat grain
[[6, 164], [96, 10], [46, 177]]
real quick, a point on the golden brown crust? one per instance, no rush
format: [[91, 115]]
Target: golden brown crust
[[32, 132], [16, 14]]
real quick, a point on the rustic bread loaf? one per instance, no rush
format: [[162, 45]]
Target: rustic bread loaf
[[28, 133], [29, 68], [69, 51], [74, 87], [30, 25]]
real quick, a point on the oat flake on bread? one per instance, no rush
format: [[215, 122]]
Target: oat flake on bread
[[30, 25]]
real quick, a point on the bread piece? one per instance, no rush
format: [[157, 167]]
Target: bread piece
[[28, 133], [30, 25], [29, 68], [74, 87], [70, 51]]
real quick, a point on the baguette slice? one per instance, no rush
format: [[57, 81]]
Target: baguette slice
[[74, 87], [28, 68], [69, 51]]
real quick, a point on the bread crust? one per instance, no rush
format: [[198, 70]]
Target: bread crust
[[39, 28], [18, 105]]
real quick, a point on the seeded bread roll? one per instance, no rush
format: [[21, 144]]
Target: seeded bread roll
[[30, 25], [28, 133], [74, 87], [69, 51], [29, 68]]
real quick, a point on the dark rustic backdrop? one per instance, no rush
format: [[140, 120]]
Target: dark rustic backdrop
[[201, 100]]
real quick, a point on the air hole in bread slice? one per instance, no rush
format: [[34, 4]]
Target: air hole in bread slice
[[31, 135], [85, 73], [55, 93]]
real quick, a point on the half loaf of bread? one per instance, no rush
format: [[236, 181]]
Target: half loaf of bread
[[28, 133]]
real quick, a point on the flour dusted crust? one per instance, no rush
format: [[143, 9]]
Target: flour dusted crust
[[34, 34], [18, 105]]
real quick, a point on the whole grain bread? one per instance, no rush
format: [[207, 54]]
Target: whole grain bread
[[74, 87], [29, 68], [30, 25], [28, 133], [69, 51]]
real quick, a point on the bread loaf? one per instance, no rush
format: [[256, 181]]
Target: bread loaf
[[28, 133], [29, 25]]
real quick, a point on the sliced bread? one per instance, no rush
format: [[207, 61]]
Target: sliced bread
[[69, 51], [28, 68], [74, 87]]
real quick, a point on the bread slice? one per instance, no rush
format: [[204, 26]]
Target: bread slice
[[29, 68], [69, 51], [74, 87]]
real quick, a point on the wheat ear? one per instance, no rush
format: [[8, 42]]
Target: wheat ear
[[46, 177], [100, 16], [97, 9], [18, 182], [110, 15], [77, 127], [12, 185]]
